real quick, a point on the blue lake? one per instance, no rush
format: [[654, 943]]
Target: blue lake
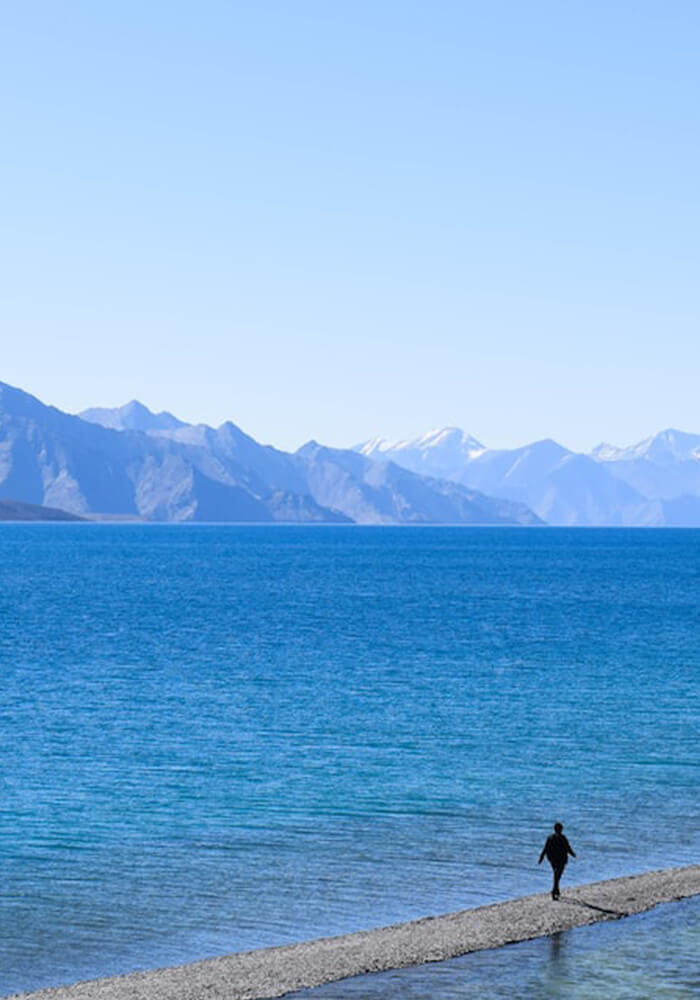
[[221, 737]]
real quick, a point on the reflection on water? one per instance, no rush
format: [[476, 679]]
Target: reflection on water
[[653, 955], [555, 947]]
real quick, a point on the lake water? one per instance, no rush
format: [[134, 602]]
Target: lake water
[[216, 738], [654, 956]]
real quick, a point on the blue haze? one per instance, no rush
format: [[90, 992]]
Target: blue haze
[[216, 738]]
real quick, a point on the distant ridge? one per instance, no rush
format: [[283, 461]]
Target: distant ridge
[[386, 493], [130, 463], [665, 448], [653, 483], [133, 416]]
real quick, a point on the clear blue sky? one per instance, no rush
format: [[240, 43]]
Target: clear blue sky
[[342, 219]]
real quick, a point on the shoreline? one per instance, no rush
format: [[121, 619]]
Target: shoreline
[[274, 972]]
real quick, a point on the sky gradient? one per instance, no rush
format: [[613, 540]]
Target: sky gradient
[[339, 220]]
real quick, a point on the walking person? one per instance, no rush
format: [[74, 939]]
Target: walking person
[[557, 850]]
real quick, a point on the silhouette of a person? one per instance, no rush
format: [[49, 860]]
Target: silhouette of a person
[[557, 850]]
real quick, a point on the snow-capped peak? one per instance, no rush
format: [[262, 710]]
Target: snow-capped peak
[[666, 446], [450, 439], [447, 437]]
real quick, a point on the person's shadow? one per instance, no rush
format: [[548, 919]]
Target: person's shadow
[[591, 906]]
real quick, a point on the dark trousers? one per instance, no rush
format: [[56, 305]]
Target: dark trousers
[[558, 869]]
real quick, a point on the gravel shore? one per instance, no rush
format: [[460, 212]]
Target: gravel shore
[[273, 972]]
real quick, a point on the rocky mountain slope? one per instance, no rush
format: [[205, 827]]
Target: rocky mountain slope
[[131, 462]]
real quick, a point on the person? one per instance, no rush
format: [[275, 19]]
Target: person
[[557, 850]]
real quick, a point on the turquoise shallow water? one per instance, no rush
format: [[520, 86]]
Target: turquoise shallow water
[[654, 955], [217, 738]]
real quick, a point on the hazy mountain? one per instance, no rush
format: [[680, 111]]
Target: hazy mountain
[[286, 506], [385, 493], [665, 448], [133, 416], [682, 512], [156, 467], [666, 466], [50, 457], [229, 450], [130, 462], [652, 483], [436, 453]]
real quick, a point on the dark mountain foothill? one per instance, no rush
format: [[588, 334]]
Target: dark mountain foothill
[[14, 510]]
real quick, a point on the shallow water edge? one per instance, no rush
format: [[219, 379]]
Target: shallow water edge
[[275, 972]]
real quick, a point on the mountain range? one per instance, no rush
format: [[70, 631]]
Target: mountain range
[[653, 483], [130, 462]]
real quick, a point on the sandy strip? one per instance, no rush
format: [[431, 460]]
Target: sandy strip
[[272, 972]]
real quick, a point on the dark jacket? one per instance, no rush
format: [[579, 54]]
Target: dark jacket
[[556, 850]]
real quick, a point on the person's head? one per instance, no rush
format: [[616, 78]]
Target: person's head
[[558, 827]]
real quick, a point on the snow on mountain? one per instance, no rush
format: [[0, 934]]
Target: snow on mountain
[[560, 486], [451, 438], [665, 448], [436, 453], [605, 452], [663, 467]]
